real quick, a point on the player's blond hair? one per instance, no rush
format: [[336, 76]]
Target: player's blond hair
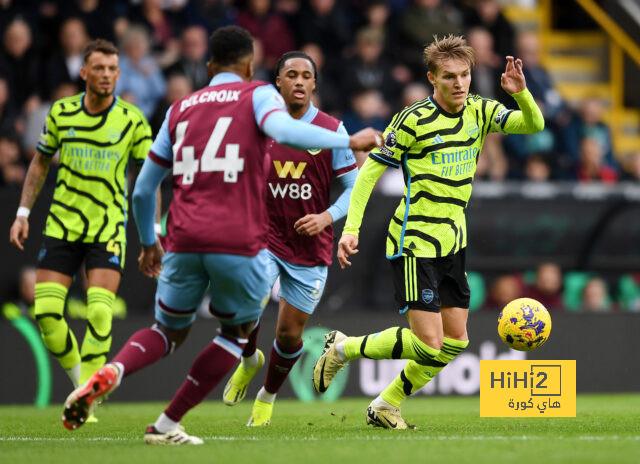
[[446, 48]]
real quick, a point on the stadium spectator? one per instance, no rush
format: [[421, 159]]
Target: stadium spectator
[[547, 288], [591, 165], [493, 164], [504, 289], [98, 16], [269, 28], [519, 147], [162, 25], [11, 169], [595, 296], [140, 76], [193, 57], [34, 121], [412, 93], [629, 292], [64, 64], [367, 69], [327, 88], [260, 72], [324, 23], [487, 14], [632, 167], [416, 26], [587, 122], [368, 109], [538, 79], [537, 168], [19, 64], [7, 113], [485, 76], [178, 87]]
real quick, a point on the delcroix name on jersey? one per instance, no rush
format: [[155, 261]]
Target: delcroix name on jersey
[[220, 96], [292, 190]]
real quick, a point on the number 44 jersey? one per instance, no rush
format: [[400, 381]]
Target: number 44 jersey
[[219, 172]]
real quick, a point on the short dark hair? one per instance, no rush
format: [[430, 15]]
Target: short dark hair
[[100, 45], [229, 44], [296, 54]]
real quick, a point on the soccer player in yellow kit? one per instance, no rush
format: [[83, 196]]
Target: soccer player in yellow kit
[[97, 134], [436, 142]]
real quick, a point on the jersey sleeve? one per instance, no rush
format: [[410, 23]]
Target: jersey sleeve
[[141, 140], [266, 100], [527, 120], [398, 138], [48, 142], [343, 160]]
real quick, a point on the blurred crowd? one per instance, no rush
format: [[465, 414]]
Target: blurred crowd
[[368, 54], [573, 291], [369, 60]]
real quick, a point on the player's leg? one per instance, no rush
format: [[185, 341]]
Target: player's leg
[[415, 282], [103, 284], [57, 263], [105, 264], [241, 290], [454, 295], [181, 286], [252, 358], [301, 288]]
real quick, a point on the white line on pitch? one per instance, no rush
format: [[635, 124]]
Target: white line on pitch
[[355, 437]]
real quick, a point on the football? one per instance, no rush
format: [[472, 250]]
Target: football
[[524, 324]]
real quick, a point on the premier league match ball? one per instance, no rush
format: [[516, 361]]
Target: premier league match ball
[[524, 324]]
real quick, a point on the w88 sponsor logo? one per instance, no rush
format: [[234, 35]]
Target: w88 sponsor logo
[[293, 191]]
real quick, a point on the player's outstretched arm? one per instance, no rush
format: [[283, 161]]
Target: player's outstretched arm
[[36, 175], [529, 119], [286, 130]]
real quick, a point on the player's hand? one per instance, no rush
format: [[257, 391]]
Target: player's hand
[[150, 260], [313, 224], [346, 247], [19, 232], [366, 139], [512, 79]]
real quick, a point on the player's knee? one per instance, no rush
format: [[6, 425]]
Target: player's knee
[[100, 316], [431, 339], [238, 331], [176, 337], [288, 336], [457, 334]]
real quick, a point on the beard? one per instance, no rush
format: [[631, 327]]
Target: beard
[[100, 92]]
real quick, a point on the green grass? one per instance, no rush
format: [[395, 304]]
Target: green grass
[[606, 430]]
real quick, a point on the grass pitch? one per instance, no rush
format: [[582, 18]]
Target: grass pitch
[[605, 430]]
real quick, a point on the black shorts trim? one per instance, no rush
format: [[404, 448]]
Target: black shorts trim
[[428, 283], [66, 257]]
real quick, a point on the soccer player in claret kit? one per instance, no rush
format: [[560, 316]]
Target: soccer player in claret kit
[[436, 142], [300, 240], [213, 142], [96, 134]]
